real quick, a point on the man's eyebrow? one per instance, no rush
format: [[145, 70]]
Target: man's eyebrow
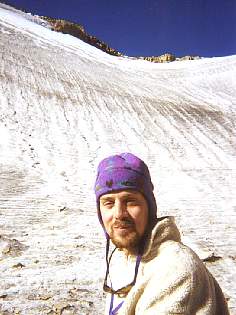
[[128, 195], [132, 194], [106, 198]]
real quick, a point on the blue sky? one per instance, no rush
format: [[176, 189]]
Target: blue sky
[[150, 27]]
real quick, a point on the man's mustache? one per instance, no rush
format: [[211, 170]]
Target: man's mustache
[[123, 223]]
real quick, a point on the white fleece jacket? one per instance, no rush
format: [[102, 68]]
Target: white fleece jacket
[[171, 279]]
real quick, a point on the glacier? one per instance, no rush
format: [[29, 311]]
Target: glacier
[[64, 106]]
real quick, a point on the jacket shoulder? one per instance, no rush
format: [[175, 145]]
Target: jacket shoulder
[[178, 276], [172, 253]]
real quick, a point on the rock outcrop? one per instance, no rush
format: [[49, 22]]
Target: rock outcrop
[[78, 31], [168, 58], [159, 59]]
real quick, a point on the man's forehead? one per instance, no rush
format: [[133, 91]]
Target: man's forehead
[[123, 193]]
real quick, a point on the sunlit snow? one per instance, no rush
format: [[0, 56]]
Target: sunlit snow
[[64, 106]]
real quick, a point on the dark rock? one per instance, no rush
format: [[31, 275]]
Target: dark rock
[[19, 265], [212, 258], [78, 31]]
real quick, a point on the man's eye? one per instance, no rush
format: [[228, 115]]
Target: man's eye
[[132, 202], [108, 203]]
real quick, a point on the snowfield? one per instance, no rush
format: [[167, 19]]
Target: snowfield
[[64, 106]]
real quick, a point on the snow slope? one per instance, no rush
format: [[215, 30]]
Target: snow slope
[[64, 106]]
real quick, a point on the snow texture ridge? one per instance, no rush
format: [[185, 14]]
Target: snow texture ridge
[[64, 106]]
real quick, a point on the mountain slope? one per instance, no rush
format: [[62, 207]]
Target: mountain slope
[[64, 106]]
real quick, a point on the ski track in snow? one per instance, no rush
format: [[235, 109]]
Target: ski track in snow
[[64, 106]]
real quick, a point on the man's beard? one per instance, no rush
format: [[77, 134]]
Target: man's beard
[[129, 240]]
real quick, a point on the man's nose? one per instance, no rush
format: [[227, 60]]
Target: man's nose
[[120, 210]]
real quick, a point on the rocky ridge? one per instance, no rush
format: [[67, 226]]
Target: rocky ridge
[[168, 58], [78, 31]]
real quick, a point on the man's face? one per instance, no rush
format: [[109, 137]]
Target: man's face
[[125, 217]]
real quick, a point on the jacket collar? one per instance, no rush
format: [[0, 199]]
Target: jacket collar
[[165, 229]]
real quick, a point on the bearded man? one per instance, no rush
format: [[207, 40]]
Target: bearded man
[[149, 271]]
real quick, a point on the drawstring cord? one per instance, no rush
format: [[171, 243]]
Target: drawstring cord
[[138, 260], [111, 311]]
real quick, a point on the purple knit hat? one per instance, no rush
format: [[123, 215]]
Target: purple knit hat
[[122, 172]]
